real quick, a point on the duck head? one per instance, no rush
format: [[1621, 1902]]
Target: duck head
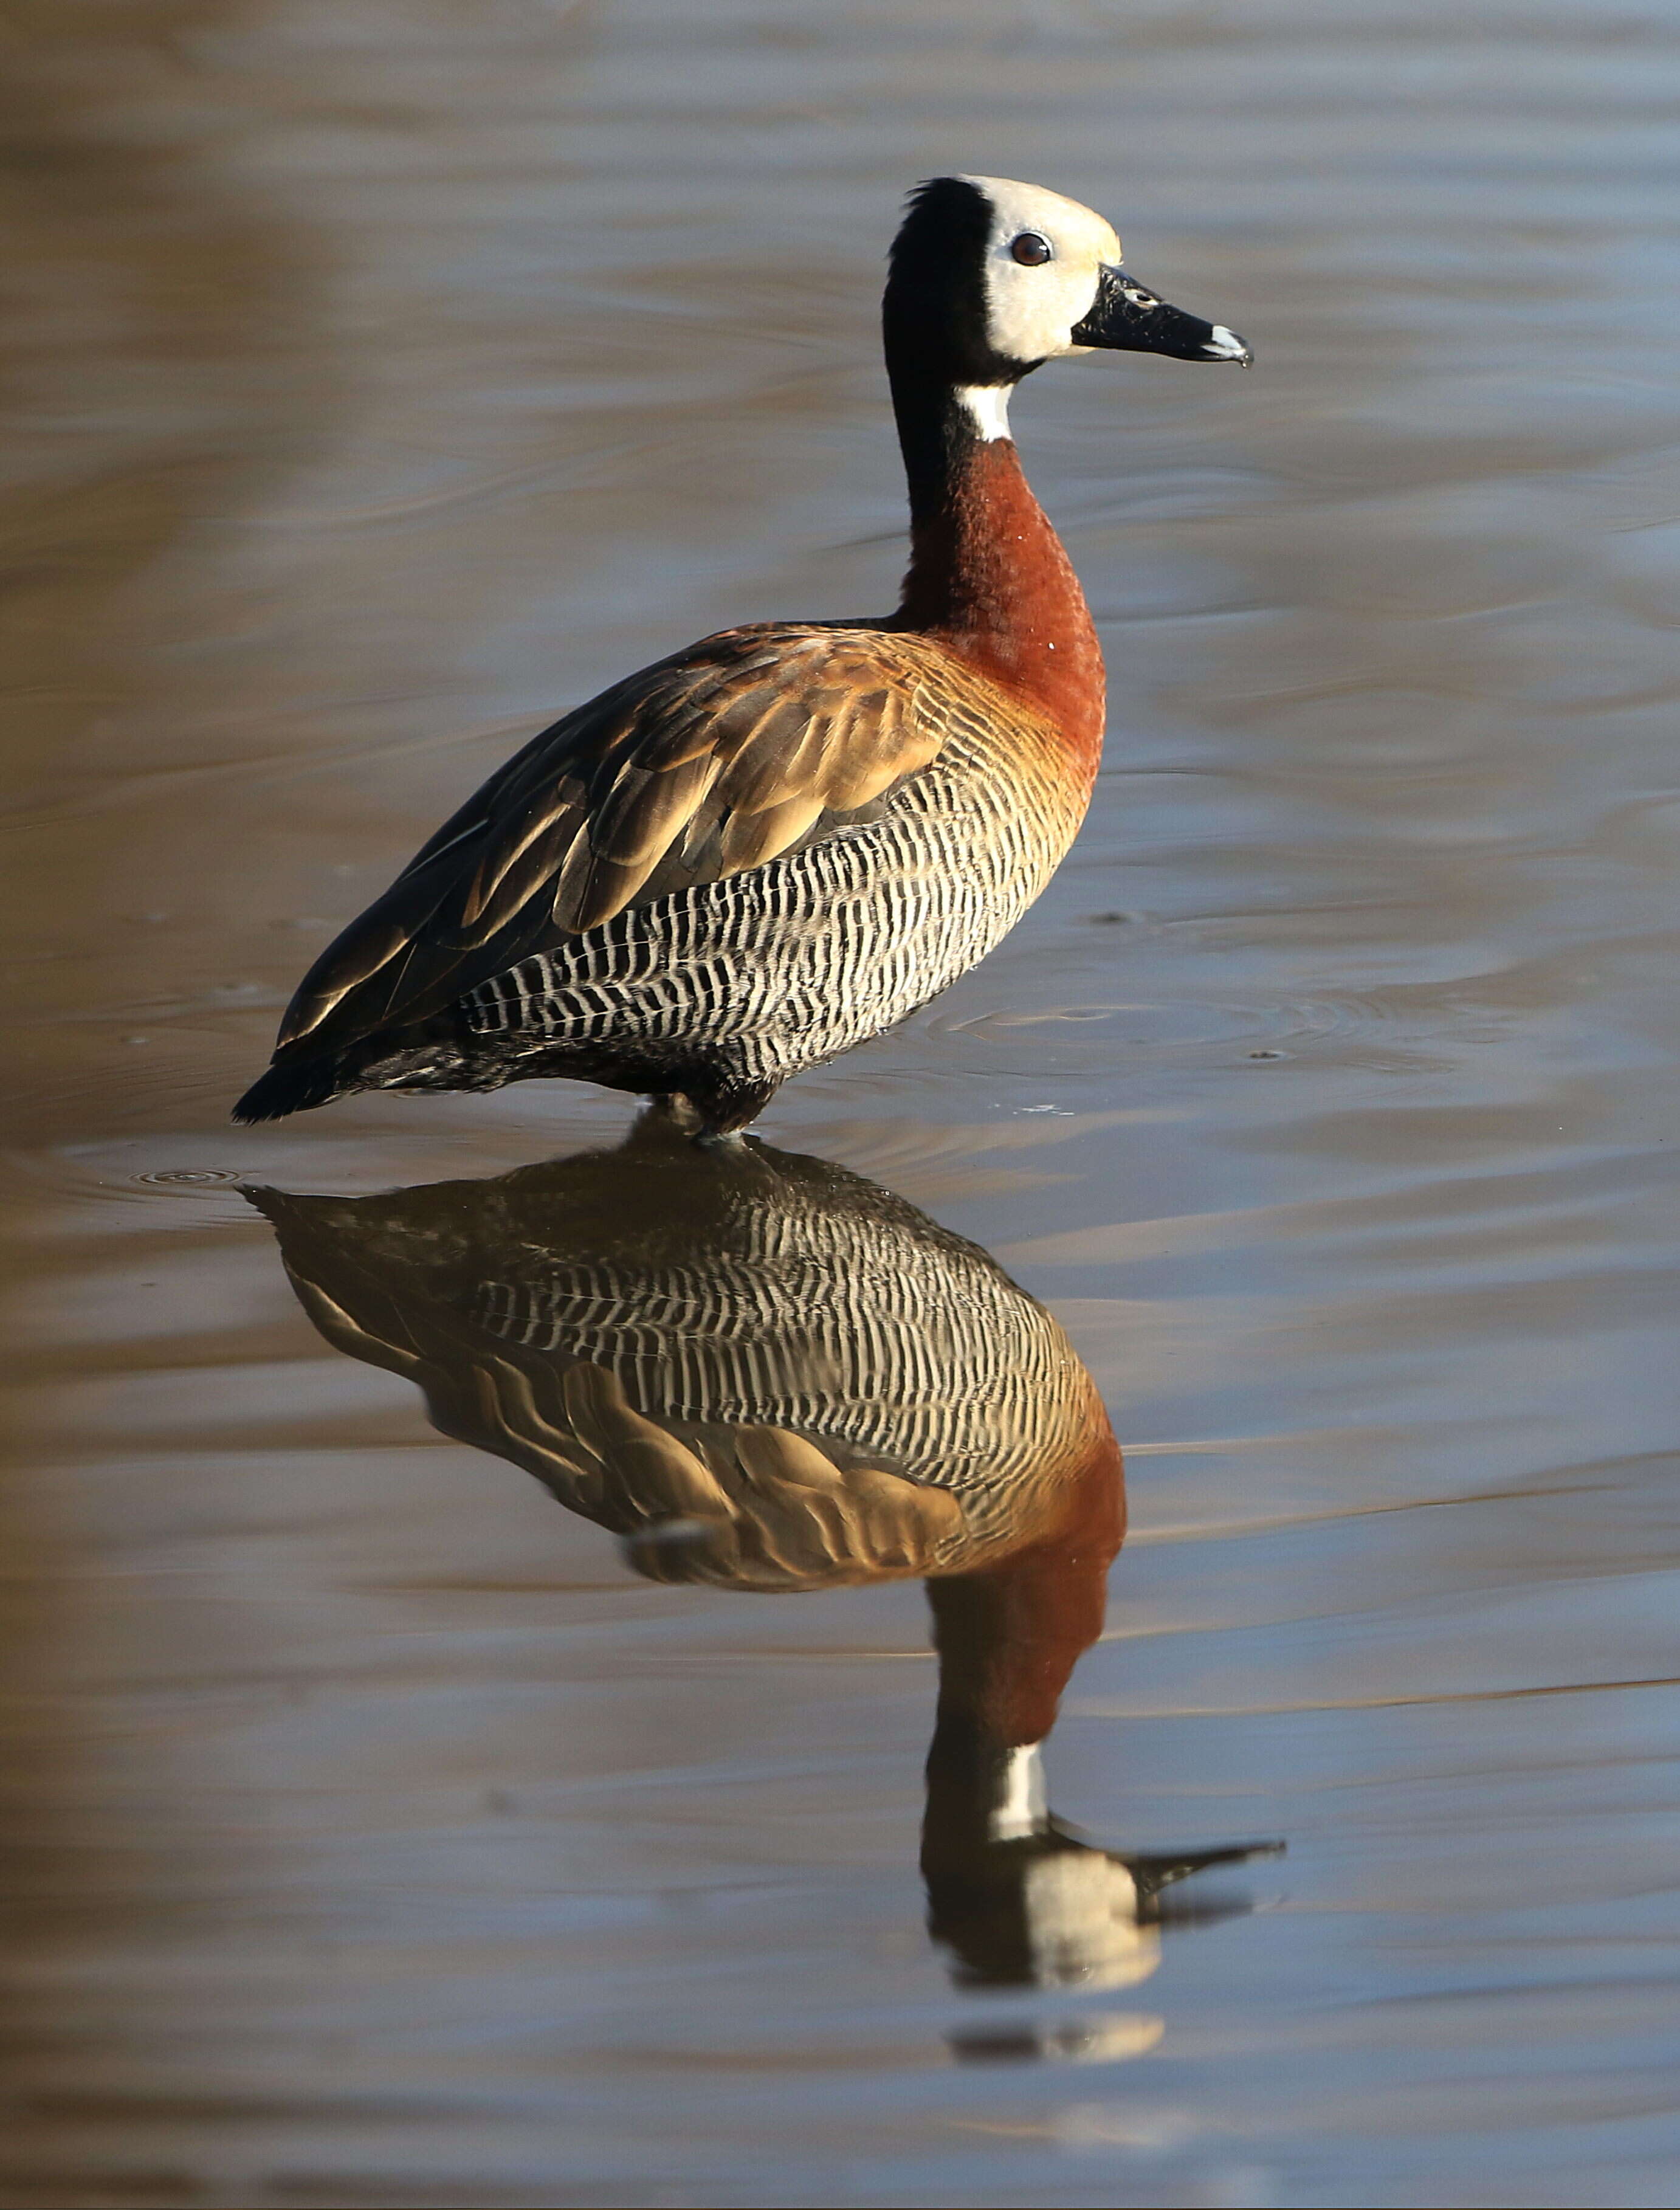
[[990, 279]]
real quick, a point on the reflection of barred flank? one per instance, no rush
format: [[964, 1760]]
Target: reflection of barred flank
[[788, 964], [960, 1381]]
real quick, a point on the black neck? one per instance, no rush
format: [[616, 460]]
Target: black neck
[[935, 330], [937, 435]]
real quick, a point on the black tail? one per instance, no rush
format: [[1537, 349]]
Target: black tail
[[292, 1086]]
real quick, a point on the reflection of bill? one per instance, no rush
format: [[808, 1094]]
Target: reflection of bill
[[765, 1373]]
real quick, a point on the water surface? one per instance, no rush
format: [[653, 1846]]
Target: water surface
[[381, 381]]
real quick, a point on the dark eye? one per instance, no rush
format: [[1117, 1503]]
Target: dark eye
[[1031, 249]]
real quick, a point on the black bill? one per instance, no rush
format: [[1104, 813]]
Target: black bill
[[1128, 317]]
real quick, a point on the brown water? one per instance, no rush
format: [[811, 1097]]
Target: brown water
[[379, 380]]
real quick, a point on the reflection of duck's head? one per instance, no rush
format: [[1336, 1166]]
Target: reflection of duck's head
[[1017, 1897], [761, 1370]]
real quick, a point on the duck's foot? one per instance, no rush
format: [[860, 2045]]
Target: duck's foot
[[721, 1139], [724, 1108]]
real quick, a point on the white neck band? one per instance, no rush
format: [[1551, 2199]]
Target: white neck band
[[987, 408]]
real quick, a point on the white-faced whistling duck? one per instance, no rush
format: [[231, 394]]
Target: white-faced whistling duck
[[741, 860]]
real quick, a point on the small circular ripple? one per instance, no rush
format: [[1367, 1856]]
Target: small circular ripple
[[193, 1178]]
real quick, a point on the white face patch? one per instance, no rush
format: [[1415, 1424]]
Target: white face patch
[[1032, 309], [1081, 1910]]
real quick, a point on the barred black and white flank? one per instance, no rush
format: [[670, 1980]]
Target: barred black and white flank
[[812, 1374]]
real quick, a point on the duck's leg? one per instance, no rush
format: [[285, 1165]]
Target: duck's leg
[[726, 1108], [671, 1105]]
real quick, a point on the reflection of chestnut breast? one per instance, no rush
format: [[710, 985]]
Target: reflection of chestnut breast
[[763, 1370]]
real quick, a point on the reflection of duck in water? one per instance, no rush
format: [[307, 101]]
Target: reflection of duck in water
[[765, 1373]]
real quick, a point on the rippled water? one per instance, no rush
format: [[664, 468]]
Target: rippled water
[[381, 1829]]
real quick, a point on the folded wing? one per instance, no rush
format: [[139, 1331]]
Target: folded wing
[[706, 764]]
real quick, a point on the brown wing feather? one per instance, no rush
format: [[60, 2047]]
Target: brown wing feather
[[697, 767]]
